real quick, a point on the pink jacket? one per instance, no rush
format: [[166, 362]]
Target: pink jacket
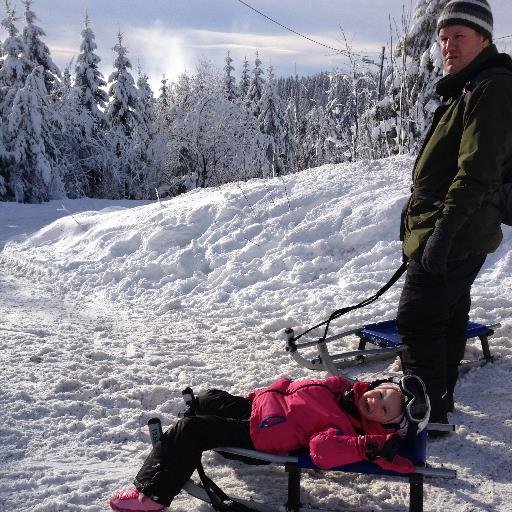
[[289, 415]]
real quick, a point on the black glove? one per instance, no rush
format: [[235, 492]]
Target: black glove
[[387, 449], [435, 254]]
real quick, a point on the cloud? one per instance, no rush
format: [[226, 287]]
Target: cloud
[[162, 50]]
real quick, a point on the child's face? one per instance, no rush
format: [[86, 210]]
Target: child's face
[[383, 405]]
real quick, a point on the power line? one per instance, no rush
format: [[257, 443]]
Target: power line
[[291, 29]]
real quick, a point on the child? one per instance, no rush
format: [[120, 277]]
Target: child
[[341, 422]]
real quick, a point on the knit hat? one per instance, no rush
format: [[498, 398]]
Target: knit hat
[[475, 14]]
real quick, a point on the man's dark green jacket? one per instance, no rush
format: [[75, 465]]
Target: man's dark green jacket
[[462, 161]]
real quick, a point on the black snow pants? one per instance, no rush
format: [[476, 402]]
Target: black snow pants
[[221, 419], [432, 321]]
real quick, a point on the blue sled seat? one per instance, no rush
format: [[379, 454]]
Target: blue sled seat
[[415, 451], [385, 335]]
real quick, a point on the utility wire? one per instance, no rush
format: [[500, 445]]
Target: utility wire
[[337, 51], [291, 29]]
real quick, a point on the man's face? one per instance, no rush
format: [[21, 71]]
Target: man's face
[[459, 46]]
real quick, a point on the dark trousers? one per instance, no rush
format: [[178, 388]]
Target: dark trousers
[[221, 420], [432, 321]]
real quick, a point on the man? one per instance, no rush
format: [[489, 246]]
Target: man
[[450, 225]]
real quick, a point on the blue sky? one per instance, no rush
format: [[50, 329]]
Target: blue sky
[[170, 36]]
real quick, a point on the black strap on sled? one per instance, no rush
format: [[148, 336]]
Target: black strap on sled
[[343, 311], [218, 498]]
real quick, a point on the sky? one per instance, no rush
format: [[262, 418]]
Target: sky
[[171, 36], [110, 308]]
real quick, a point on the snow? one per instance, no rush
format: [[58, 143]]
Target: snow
[[110, 308]]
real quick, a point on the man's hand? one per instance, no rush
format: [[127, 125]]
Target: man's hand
[[435, 254]]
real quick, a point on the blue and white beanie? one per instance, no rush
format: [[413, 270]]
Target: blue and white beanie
[[475, 14]]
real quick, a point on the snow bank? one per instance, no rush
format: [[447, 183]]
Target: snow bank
[[108, 312]]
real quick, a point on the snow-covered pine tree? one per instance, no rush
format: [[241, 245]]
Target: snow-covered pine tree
[[147, 145], [88, 78], [15, 66], [145, 103], [12, 78], [337, 126], [405, 113], [290, 139], [123, 117], [163, 99], [245, 81], [255, 88], [272, 124], [163, 106], [123, 94], [229, 86], [78, 151], [36, 51], [33, 176]]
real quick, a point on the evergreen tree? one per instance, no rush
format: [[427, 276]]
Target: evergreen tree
[[36, 51], [272, 123], [66, 82], [78, 150], [88, 78], [123, 95], [146, 145], [31, 127], [245, 80], [255, 89], [15, 66], [12, 78], [290, 138], [145, 102], [229, 85], [123, 118], [337, 121], [164, 100]]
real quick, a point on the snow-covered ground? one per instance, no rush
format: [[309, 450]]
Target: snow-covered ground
[[109, 309]]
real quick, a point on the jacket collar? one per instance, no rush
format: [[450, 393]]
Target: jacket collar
[[451, 86]]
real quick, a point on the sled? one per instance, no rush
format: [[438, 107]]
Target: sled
[[295, 464], [384, 337]]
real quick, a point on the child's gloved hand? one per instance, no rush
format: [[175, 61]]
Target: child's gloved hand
[[382, 446]]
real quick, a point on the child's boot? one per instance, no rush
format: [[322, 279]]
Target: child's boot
[[133, 501]]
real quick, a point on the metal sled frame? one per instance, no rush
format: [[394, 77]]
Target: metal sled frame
[[382, 335], [294, 465]]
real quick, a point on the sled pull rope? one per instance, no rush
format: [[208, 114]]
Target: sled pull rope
[[343, 311]]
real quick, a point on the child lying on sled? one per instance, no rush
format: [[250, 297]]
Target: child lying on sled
[[339, 421]]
